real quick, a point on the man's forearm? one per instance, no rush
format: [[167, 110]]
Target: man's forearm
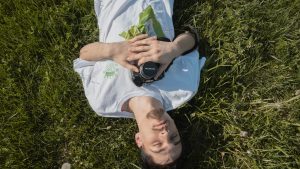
[[183, 43], [97, 51], [118, 52]]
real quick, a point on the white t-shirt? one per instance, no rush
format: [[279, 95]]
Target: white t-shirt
[[108, 85]]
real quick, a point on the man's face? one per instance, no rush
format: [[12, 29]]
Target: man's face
[[159, 138]]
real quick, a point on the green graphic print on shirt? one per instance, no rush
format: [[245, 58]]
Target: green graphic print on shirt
[[111, 71]]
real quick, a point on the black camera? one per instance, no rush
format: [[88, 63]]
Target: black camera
[[148, 70]]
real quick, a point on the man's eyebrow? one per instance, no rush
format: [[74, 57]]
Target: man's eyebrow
[[177, 142]]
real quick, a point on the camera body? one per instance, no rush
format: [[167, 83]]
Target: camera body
[[147, 73]]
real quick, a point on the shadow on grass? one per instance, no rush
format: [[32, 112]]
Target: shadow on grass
[[199, 135]]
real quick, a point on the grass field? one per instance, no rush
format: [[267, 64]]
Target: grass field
[[245, 115]]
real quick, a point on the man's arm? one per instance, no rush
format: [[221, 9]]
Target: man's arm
[[97, 51], [118, 52], [183, 43]]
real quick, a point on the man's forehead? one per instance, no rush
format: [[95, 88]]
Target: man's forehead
[[167, 156]]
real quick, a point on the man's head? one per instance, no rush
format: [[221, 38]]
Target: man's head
[[158, 138]]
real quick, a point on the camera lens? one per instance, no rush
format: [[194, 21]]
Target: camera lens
[[149, 69], [137, 80]]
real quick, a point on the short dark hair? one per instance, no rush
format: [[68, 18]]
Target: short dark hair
[[147, 162]]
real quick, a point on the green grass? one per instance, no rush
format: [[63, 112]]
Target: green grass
[[246, 114]]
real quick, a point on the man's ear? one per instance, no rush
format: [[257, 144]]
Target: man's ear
[[138, 140]]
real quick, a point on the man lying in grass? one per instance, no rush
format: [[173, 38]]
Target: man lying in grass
[[106, 72]]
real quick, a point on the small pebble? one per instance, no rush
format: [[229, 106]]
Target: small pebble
[[66, 166], [244, 134]]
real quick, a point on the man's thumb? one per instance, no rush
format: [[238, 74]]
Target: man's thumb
[[130, 67], [161, 69]]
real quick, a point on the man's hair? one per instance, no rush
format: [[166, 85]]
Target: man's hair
[[147, 162]]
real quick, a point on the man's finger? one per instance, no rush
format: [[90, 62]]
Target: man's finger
[[146, 41], [153, 38], [130, 67], [138, 56], [161, 69], [139, 37], [144, 60], [139, 49]]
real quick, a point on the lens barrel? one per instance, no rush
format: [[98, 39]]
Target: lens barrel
[[149, 70]]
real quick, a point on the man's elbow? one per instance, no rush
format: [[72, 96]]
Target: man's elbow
[[83, 54]]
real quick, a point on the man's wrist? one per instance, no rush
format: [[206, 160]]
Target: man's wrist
[[186, 42], [175, 49], [115, 49], [104, 50], [111, 50]]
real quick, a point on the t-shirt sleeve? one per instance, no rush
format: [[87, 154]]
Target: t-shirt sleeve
[[169, 6], [99, 82], [181, 81], [84, 68]]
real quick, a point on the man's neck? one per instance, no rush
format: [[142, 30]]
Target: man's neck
[[141, 105]]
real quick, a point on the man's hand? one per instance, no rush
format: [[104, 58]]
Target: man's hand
[[145, 49], [120, 51]]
